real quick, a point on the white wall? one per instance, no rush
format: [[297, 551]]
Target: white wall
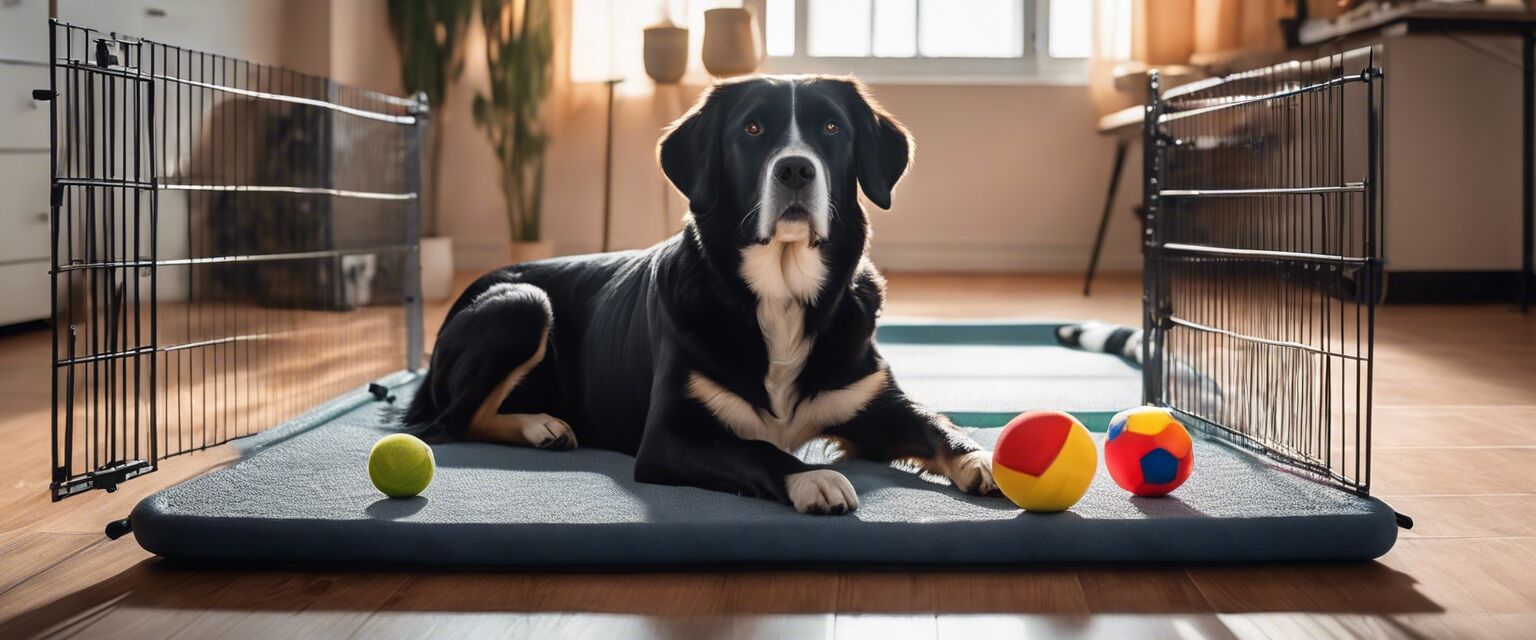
[[248, 29], [1007, 178]]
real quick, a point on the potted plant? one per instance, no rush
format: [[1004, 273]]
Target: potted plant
[[518, 46], [430, 37]]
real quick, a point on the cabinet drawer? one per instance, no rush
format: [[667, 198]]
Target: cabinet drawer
[[23, 121], [23, 207], [25, 287]]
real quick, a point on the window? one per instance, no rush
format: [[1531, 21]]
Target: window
[[1043, 40]]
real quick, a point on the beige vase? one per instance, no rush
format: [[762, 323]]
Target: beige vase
[[666, 52], [731, 42], [530, 251]]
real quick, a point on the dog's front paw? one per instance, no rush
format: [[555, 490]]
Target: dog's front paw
[[548, 432], [821, 491], [972, 473]]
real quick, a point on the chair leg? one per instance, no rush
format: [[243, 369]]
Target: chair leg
[[1109, 205]]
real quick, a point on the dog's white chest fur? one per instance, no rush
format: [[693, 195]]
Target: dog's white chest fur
[[785, 274]]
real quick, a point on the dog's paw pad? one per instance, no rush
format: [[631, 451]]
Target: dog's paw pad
[[821, 491], [973, 474], [547, 432]]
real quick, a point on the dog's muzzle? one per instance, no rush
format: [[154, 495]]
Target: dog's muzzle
[[793, 189]]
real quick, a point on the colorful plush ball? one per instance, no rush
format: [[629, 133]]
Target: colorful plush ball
[[1147, 451], [1044, 461]]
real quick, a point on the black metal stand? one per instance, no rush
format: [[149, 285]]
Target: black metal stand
[[1528, 158], [1109, 205], [608, 170]]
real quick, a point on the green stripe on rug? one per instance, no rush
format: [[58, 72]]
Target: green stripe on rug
[[1096, 421]]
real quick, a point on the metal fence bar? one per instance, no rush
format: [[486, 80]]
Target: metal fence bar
[[251, 188], [1234, 193]]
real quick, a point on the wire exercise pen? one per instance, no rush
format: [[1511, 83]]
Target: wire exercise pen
[[232, 244], [1263, 258]]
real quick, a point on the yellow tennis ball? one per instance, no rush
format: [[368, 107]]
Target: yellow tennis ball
[[401, 465]]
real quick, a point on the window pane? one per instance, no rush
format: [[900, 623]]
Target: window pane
[[971, 28], [780, 25], [895, 28], [837, 28], [1071, 29]]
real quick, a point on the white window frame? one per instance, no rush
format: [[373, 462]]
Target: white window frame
[[1035, 66]]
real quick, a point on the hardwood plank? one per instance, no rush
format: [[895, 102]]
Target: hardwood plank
[[863, 626], [1488, 516], [1106, 626], [32, 553], [771, 592], [1046, 590], [667, 594], [886, 592], [1415, 626], [1437, 471], [1468, 575], [1141, 591], [96, 576], [1498, 625], [410, 624], [1462, 426], [1373, 587]]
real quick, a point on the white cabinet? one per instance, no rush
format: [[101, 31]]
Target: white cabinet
[[23, 162], [23, 207], [24, 30], [23, 121], [25, 287]]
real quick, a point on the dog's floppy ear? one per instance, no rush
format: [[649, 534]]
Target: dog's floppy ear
[[689, 152], [882, 147]]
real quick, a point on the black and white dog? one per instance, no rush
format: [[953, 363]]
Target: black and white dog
[[713, 356]]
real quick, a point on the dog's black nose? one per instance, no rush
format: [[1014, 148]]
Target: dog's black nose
[[794, 171]]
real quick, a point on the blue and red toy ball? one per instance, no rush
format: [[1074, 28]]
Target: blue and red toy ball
[[1147, 451]]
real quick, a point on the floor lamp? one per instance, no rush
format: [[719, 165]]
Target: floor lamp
[[608, 168], [594, 60]]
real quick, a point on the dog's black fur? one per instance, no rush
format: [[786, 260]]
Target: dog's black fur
[[626, 330]]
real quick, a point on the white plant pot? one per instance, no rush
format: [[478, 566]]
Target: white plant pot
[[436, 268]]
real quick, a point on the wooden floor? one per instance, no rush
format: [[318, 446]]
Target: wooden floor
[[1455, 447]]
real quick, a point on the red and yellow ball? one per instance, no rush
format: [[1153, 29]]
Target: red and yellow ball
[[1044, 460], [1147, 451]]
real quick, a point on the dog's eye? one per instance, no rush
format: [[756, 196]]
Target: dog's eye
[[831, 128], [754, 129]]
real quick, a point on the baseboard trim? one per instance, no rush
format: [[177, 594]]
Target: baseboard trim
[[1452, 287]]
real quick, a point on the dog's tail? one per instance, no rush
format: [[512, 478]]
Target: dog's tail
[[1101, 337], [420, 416]]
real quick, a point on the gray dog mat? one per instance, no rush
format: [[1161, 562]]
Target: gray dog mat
[[302, 495]]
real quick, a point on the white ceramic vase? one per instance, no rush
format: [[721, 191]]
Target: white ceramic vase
[[436, 268]]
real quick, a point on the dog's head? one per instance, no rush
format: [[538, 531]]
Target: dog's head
[[781, 158]]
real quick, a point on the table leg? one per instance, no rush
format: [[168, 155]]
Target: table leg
[[1109, 205], [1528, 198]]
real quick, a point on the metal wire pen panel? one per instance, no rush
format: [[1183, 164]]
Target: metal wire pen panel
[[233, 244], [1264, 255]]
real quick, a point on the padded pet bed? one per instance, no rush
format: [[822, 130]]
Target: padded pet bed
[[302, 495]]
